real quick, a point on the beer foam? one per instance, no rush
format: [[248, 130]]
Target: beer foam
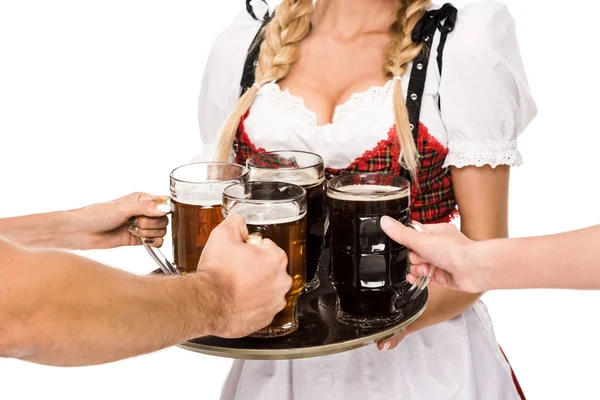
[[300, 177], [267, 213], [368, 193], [202, 199]]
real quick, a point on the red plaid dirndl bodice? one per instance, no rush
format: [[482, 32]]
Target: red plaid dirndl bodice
[[432, 200]]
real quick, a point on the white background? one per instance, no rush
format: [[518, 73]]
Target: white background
[[99, 98]]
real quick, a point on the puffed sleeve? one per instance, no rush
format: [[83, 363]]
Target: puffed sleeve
[[484, 95], [220, 87]]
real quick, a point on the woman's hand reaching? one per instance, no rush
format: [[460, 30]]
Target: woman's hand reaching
[[123, 222]]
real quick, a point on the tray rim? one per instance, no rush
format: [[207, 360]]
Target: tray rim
[[305, 352]]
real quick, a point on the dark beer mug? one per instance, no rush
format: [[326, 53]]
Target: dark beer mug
[[276, 211], [196, 196], [368, 269], [306, 170]]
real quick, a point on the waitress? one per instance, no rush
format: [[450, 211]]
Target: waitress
[[433, 94]]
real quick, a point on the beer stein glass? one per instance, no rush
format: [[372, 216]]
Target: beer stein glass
[[196, 195], [306, 170], [277, 211], [367, 268]]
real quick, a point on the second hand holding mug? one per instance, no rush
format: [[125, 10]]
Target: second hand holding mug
[[275, 211], [367, 268], [196, 196]]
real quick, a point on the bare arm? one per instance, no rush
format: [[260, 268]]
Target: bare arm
[[102, 225], [55, 229], [568, 260], [60, 309], [482, 196]]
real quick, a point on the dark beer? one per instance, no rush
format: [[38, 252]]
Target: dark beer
[[276, 211], [368, 269], [315, 222], [306, 170], [192, 225]]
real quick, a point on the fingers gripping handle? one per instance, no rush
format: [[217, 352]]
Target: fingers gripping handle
[[422, 281], [166, 266]]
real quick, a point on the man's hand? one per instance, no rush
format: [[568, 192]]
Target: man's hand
[[86, 310], [444, 247], [122, 222], [247, 282]]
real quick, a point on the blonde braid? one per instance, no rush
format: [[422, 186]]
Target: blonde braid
[[401, 52], [278, 51]]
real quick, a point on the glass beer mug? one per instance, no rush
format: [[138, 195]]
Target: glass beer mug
[[367, 268], [276, 211], [307, 170], [196, 196]]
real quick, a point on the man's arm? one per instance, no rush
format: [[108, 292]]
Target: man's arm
[[102, 225], [61, 309]]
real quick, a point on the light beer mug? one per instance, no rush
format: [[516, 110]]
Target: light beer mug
[[307, 170], [196, 196], [277, 211]]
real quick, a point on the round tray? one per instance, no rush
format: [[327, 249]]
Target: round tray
[[319, 333]]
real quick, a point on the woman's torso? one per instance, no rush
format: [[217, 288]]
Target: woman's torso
[[353, 132]]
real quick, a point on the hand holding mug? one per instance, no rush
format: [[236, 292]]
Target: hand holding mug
[[122, 222], [368, 269], [276, 211], [444, 247], [248, 279], [195, 200]]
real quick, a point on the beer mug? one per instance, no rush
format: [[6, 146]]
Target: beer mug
[[277, 211], [367, 268], [306, 170], [196, 195]]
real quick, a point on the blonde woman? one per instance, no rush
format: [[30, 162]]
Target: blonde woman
[[398, 86]]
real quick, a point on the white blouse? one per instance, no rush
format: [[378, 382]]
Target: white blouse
[[485, 98], [485, 105]]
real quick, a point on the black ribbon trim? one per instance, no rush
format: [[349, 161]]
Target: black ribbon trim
[[250, 10], [252, 59], [424, 33], [447, 14], [443, 19]]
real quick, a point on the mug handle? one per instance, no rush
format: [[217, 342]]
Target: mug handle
[[163, 262], [254, 238], [422, 281], [166, 266], [169, 268]]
